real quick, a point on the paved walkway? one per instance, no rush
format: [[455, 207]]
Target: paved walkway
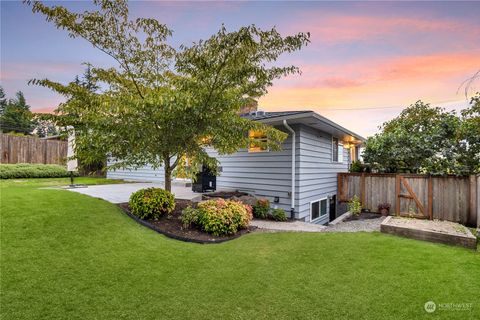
[[119, 193]]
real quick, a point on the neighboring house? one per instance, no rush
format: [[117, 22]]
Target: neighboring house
[[302, 180]]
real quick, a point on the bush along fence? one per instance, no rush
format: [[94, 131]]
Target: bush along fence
[[451, 198], [16, 149]]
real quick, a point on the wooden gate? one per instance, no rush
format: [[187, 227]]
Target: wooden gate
[[414, 196], [449, 198]]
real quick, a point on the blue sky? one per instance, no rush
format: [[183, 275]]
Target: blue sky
[[362, 55]]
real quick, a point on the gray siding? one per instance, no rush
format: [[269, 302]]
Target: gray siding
[[318, 173], [147, 174], [268, 174], [265, 174]]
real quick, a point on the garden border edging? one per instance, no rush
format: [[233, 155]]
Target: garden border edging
[[174, 236]]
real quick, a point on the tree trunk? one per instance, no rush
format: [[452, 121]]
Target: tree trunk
[[168, 179]]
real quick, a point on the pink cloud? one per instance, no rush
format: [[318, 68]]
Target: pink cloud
[[339, 82], [28, 70], [348, 28], [362, 72], [373, 83]]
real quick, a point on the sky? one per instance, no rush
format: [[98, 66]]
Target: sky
[[365, 63]]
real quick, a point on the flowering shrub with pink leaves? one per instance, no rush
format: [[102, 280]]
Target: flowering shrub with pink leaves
[[219, 216]]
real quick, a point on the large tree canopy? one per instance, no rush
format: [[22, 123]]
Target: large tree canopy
[[427, 139], [162, 104]]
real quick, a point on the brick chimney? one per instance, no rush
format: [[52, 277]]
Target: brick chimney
[[250, 105]]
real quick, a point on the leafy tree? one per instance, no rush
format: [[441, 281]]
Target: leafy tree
[[3, 100], [162, 104], [44, 128], [469, 135], [425, 139], [15, 115]]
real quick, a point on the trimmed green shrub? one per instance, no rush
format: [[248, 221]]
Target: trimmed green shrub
[[261, 209], [356, 166], [218, 217], [151, 203], [32, 170], [279, 215], [189, 217]]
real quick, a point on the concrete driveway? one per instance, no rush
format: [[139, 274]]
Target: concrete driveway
[[119, 193]]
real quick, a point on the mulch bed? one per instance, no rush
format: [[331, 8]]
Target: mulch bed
[[224, 195], [364, 216], [171, 226]]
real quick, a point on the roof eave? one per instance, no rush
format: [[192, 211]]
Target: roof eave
[[307, 114]]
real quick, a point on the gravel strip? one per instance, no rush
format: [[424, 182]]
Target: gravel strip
[[297, 226], [368, 225]]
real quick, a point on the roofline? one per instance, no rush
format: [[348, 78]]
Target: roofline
[[307, 114]]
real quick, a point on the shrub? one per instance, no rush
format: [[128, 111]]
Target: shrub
[[385, 205], [218, 217], [356, 166], [355, 206], [151, 203], [279, 215], [189, 217], [261, 209], [32, 170]]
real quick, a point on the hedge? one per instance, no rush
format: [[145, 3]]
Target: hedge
[[32, 170]]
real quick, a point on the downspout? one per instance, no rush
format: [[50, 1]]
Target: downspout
[[292, 210]]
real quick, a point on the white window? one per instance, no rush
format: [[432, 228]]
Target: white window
[[337, 151], [318, 209], [258, 141]]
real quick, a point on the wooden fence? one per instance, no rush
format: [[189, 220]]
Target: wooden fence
[[449, 198], [16, 149]]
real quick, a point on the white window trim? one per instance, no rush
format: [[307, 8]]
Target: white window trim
[[343, 150], [320, 217]]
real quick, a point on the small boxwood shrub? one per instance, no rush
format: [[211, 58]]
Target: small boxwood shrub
[[218, 217], [261, 209], [32, 170], [279, 215], [151, 203]]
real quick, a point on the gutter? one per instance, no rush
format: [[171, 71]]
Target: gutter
[[292, 210]]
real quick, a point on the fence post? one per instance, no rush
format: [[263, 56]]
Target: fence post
[[430, 197], [362, 189], [472, 203], [397, 193]]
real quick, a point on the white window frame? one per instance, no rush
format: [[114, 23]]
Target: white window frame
[[258, 151], [320, 208], [339, 155]]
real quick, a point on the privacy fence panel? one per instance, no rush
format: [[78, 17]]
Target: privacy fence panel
[[449, 198], [16, 149]]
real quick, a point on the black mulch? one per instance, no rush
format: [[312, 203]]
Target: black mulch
[[224, 195], [171, 226], [364, 216]]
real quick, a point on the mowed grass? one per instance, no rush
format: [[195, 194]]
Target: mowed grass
[[68, 256]]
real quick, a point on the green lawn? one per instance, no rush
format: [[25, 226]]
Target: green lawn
[[68, 256]]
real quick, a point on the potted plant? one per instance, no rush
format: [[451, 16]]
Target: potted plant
[[384, 208]]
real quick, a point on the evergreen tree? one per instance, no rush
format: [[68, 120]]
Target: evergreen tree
[[16, 115]]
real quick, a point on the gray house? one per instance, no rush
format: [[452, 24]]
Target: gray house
[[302, 180]]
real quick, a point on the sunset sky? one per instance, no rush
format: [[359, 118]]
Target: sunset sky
[[366, 60]]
